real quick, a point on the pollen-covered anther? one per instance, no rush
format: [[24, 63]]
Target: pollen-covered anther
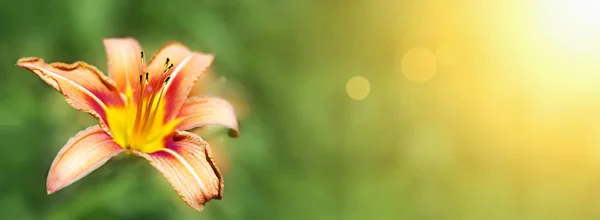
[[168, 68], [168, 65]]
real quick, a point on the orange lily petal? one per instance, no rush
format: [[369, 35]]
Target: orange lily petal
[[188, 67], [124, 62], [83, 85], [82, 154], [202, 111], [188, 165]]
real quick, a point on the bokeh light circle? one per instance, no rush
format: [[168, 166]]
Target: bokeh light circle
[[419, 65], [358, 88]]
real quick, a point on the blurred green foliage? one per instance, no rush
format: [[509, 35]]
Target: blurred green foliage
[[299, 156]]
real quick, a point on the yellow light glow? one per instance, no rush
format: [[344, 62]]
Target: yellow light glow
[[447, 54], [358, 88], [419, 65], [573, 23]]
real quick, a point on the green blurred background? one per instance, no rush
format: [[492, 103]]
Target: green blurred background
[[463, 109]]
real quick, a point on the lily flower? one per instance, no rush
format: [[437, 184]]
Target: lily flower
[[143, 109]]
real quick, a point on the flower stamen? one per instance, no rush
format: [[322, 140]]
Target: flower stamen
[[152, 107], [168, 68], [142, 90], [157, 105], [148, 105]]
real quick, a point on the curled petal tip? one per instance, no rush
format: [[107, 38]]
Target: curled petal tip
[[24, 60], [234, 133], [52, 187]]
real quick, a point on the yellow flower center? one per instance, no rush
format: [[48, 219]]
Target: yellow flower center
[[147, 134], [140, 124]]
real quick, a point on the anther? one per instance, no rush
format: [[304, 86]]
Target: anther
[[146, 76], [142, 56], [140, 78], [168, 68], [167, 62], [167, 79]]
